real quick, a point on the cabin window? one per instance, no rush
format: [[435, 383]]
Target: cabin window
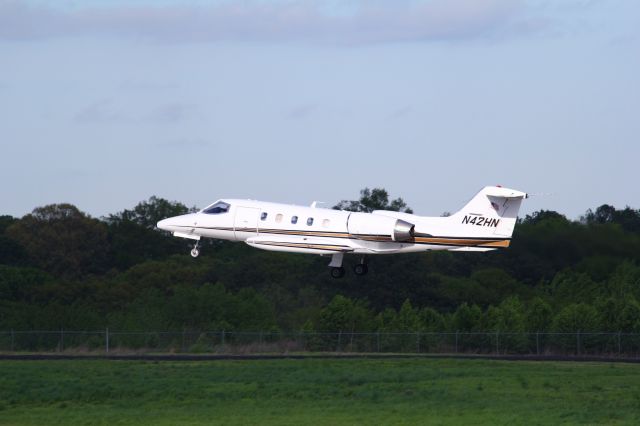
[[279, 218], [217, 208], [263, 216], [310, 221], [294, 219], [326, 223]]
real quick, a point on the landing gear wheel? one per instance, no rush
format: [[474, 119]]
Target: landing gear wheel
[[360, 269], [337, 272], [195, 252]]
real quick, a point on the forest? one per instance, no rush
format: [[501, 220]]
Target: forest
[[61, 268]]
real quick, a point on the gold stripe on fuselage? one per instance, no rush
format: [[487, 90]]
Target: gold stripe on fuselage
[[470, 242], [442, 241]]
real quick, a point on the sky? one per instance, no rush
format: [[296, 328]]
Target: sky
[[106, 103]]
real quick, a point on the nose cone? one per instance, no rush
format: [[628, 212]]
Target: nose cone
[[178, 223], [164, 224]]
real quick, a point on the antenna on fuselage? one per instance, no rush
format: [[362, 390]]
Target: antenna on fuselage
[[315, 203]]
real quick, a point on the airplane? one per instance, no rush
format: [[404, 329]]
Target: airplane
[[484, 224]]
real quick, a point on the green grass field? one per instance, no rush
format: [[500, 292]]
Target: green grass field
[[318, 391]]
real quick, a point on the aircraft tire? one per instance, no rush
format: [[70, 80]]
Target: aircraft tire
[[360, 269], [337, 272], [195, 252]]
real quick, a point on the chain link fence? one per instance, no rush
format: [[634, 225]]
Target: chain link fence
[[626, 345]]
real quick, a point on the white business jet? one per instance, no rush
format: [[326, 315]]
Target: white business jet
[[485, 223]]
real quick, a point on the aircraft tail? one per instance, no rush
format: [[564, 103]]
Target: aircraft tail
[[492, 212]]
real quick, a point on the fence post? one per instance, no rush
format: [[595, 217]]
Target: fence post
[[456, 341], [537, 343], [12, 339], [497, 342], [222, 337], [378, 340], [619, 343], [106, 339], [61, 340], [339, 340], [578, 342], [418, 341]]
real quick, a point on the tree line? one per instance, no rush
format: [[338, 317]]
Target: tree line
[[61, 268]]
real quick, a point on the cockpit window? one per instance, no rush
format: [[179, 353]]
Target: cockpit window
[[217, 208]]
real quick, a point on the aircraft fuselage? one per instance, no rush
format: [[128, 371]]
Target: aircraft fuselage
[[486, 223]]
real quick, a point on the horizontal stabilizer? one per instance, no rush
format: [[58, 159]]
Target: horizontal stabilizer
[[498, 191]]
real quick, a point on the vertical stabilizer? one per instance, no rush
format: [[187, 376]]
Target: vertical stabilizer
[[491, 212]]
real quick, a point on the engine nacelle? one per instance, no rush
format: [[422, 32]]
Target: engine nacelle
[[372, 227]]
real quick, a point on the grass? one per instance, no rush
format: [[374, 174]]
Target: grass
[[317, 391]]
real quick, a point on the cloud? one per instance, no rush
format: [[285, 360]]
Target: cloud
[[302, 111], [369, 21], [182, 143], [172, 113], [146, 86], [101, 111], [621, 40], [106, 111], [401, 112]]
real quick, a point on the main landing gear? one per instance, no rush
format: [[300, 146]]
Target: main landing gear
[[337, 270], [360, 268]]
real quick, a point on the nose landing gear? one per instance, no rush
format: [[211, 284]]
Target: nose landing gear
[[195, 251]]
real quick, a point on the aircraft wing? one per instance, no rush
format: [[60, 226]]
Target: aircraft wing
[[299, 244]]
